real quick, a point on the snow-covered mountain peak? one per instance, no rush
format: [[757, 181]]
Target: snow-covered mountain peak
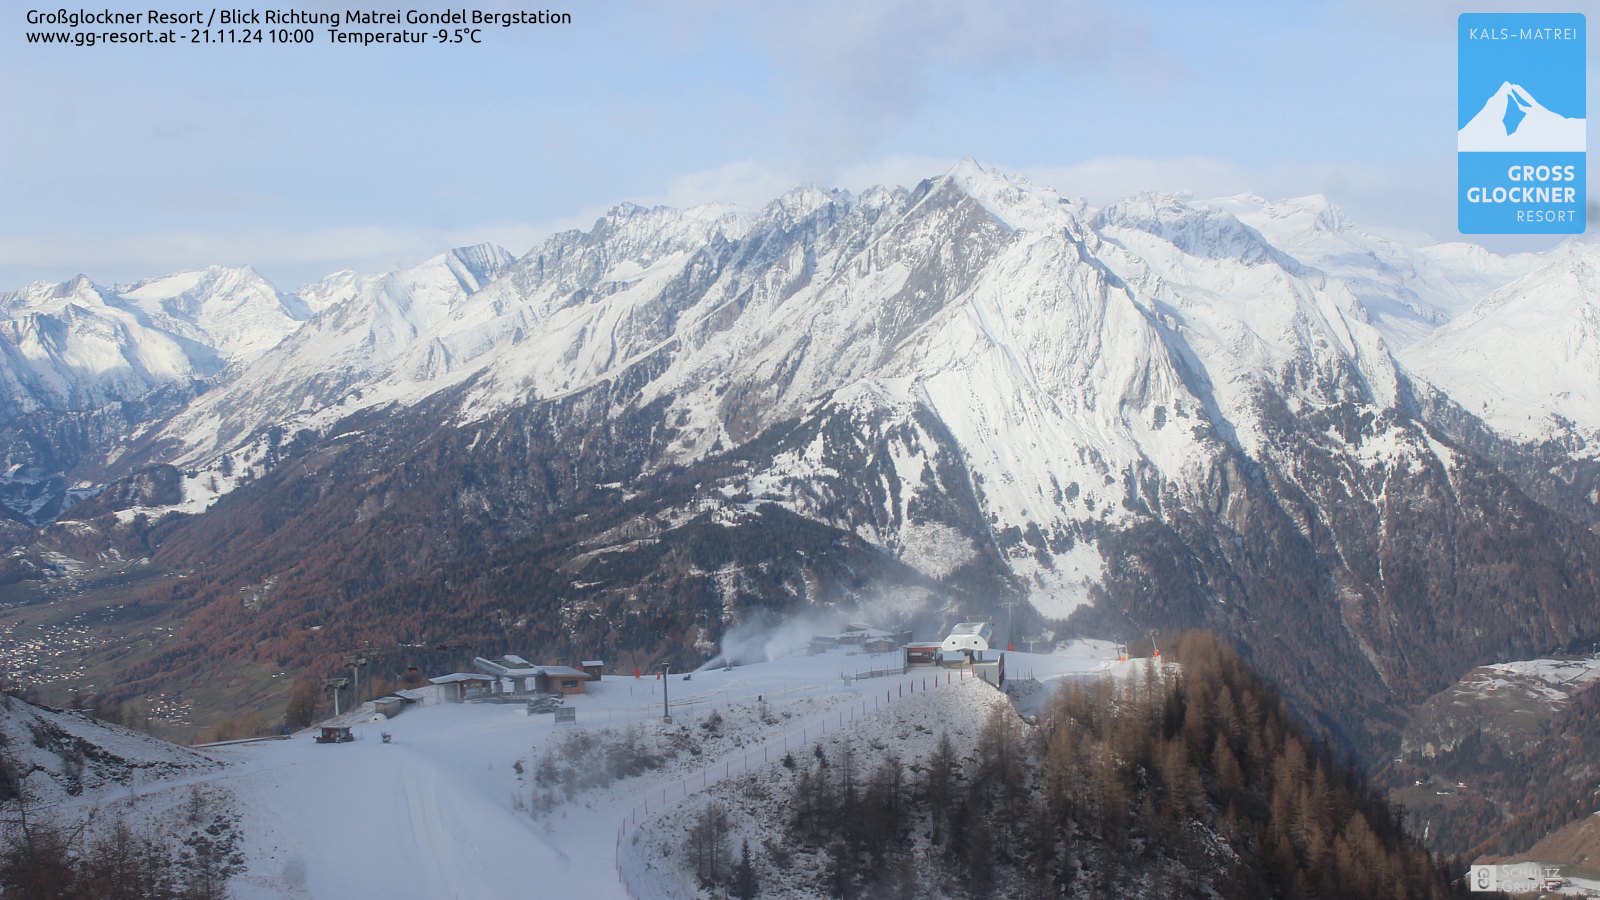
[[1464, 255], [474, 266], [967, 169], [1016, 202], [76, 346], [390, 312], [47, 297], [330, 290], [1407, 293], [1245, 200], [78, 285], [1328, 216], [166, 287], [641, 231], [800, 203], [973, 178], [1308, 214], [1200, 231], [1526, 358], [1253, 317], [231, 309]]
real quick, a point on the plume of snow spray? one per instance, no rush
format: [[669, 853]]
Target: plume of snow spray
[[765, 638]]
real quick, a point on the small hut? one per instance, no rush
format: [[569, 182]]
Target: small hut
[[925, 653], [560, 680], [335, 734], [459, 687]]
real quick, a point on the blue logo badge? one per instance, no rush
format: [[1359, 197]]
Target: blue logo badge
[[1523, 135]]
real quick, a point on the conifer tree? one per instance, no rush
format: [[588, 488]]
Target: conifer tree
[[745, 885]]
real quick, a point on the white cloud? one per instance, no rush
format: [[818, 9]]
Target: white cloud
[[749, 184], [1415, 201], [904, 171], [287, 258], [849, 72]]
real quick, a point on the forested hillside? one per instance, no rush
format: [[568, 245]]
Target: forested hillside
[[1190, 780]]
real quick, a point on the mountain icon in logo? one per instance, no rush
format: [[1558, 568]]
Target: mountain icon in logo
[[1513, 121]]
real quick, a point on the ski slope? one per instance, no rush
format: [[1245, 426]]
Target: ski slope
[[442, 812]]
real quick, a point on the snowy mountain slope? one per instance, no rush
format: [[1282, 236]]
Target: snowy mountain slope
[[76, 345], [1527, 358], [85, 367], [760, 802], [58, 756], [1256, 317], [994, 327], [467, 314], [818, 321], [234, 311], [1406, 293], [367, 331], [1507, 702]]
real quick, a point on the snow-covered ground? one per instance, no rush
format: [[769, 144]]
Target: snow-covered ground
[[1550, 680], [443, 810], [1582, 887], [650, 857]]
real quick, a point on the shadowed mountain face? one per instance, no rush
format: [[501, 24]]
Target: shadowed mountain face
[[913, 404]]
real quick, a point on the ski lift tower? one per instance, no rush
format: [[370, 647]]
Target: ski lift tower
[[355, 663], [1011, 614], [666, 711], [335, 685]]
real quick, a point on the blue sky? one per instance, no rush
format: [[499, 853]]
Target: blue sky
[[122, 162]]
